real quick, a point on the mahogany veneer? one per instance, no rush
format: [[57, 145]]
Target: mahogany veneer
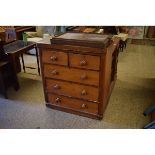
[[79, 72]]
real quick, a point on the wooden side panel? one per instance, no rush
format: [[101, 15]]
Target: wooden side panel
[[109, 72]]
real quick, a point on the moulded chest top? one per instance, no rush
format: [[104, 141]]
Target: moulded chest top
[[82, 39]]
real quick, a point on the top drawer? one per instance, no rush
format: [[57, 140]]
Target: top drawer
[[55, 57], [84, 61]]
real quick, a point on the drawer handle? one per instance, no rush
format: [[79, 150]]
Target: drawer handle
[[84, 105], [57, 100], [53, 58], [84, 77], [83, 63], [55, 72], [56, 86], [83, 92]]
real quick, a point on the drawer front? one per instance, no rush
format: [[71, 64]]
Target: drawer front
[[70, 74], [84, 61], [74, 104], [72, 89], [53, 57]]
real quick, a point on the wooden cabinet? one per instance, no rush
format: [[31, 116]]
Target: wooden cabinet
[[79, 72]]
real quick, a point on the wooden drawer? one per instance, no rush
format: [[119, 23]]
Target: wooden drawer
[[70, 74], [72, 89], [74, 104], [84, 61], [54, 57]]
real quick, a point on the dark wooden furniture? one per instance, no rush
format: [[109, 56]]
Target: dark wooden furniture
[[79, 72], [16, 49], [9, 34], [21, 29], [18, 29], [7, 76]]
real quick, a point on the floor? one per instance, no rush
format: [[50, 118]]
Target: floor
[[133, 92]]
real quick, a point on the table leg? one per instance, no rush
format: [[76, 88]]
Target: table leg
[[15, 78], [23, 62], [37, 55]]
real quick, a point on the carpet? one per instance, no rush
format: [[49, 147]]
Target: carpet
[[133, 93], [27, 115]]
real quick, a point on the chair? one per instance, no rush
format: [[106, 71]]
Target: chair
[[122, 33]]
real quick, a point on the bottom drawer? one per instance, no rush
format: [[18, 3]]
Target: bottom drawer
[[74, 104]]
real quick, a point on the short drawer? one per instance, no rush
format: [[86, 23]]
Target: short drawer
[[69, 74], [54, 57], [72, 89], [74, 104], [84, 61]]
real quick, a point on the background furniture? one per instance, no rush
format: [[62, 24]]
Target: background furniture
[[16, 49], [15, 33], [21, 29], [123, 40], [92, 29], [79, 72], [118, 31], [150, 32], [7, 75], [37, 35]]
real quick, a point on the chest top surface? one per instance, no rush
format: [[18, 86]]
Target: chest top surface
[[82, 39]]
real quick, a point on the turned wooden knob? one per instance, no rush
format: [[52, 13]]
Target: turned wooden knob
[[83, 77], [84, 106], [84, 92], [57, 100], [53, 58], [56, 86], [83, 63], [55, 72]]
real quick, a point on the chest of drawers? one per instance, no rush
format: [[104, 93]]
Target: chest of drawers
[[79, 72]]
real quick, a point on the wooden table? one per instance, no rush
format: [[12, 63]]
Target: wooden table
[[16, 49]]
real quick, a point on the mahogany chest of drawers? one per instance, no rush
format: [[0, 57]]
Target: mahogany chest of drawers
[[78, 72]]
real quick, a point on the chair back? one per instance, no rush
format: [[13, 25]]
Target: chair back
[[10, 35]]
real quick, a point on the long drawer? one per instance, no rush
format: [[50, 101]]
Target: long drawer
[[54, 57], [70, 74], [74, 104], [84, 61], [72, 89]]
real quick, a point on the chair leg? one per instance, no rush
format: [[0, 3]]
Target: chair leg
[[121, 46], [125, 43], [23, 62], [37, 56]]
